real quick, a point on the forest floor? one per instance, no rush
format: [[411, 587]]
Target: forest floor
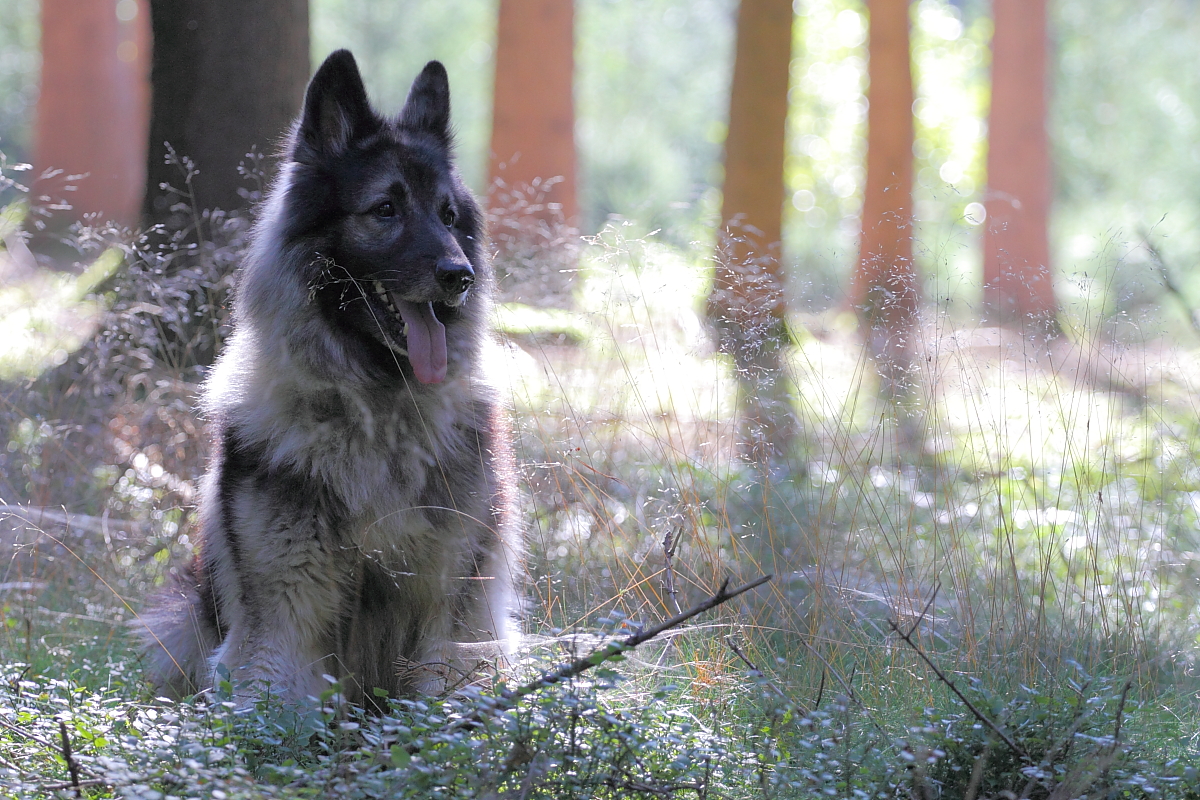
[[1003, 605]]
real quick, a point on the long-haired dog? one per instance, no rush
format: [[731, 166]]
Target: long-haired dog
[[357, 518]]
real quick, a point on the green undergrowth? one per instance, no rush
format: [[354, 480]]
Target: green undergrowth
[[608, 734], [1027, 519]]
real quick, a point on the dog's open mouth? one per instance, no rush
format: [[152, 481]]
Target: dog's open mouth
[[424, 336]]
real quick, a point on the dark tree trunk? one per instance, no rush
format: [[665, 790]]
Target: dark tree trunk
[[885, 291], [747, 304], [227, 75], [1016, 247]]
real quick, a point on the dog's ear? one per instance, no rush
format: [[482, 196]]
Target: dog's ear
[[427, 109], [336, 109]]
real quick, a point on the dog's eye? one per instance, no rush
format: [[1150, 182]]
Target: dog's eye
[[448, 216], [384, 209]]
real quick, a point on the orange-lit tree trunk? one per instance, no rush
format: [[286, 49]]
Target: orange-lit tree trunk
[[93, 107], [747, 304], [1016, 250], [532, 194], [885, 292], [533, 116]]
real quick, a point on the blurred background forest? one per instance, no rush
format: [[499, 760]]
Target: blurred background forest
[[651, 88], [733, 343]]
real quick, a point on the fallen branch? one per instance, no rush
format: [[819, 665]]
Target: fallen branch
[[72, 767], [39, 516], [58, 787], [941, 676], [1169, 283], [510, 697], [33, 737], [789, 702], [670, 544]]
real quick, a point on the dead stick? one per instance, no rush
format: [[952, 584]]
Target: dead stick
[[1111, 755], [54, 787], [72, 767], [26, 734], [925, 610], [612, 649], [1121, 712], [670, 545], [510, 697], [979, 715], [737, 651], [1168, 280]]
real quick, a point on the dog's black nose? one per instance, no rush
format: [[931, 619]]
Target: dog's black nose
[[455, 276]]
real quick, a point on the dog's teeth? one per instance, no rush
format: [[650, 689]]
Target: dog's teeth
[[379, 290]]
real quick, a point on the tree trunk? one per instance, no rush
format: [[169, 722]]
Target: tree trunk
[[885, 291], [93, 105], [747, 305], [532, 197], [227, 76], [1016, 261]]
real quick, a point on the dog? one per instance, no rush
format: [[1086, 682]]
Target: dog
[[358, 515]]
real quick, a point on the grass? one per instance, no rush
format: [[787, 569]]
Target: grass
[[1038, 545]]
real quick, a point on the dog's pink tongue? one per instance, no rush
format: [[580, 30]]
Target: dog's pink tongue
[[426, 340]]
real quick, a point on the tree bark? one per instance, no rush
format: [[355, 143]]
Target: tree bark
[[93, 106], [885, 291], [747, 304], [1016, 263], [533, 115], [227, 76], [532, 184]]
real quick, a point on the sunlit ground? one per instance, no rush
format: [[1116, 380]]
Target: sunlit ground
[[1046, 509], [44, 316], [1049, 502]]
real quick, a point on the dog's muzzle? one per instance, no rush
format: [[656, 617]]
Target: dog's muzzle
[[455, 277]]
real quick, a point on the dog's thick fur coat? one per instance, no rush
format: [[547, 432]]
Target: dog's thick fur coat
[[357, 517]]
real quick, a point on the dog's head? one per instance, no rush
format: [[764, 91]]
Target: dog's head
[[397, 237]]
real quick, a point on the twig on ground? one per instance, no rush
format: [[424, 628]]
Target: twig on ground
[[26, 734], [510, 697], [848, 686], [72, 767], [1063, 746], [921, 617], [1168, 280], [941, 676], [737, 651], [977, 772], [55, 787], [1111, 756], [670, 545], [1121, 713]]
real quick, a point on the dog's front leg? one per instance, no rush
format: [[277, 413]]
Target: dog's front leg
[[283, 597], [280, 654]]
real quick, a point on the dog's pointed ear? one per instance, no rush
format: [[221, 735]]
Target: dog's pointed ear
[[336, 108], [427, 109]]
